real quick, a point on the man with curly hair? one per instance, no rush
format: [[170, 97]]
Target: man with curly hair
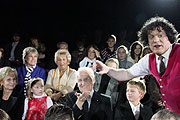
[[163, 63]]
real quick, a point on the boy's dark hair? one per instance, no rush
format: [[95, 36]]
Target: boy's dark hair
[[112, 37], [59, 112], [157, 22]]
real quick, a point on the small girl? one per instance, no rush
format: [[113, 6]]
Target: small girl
[[37, 102]]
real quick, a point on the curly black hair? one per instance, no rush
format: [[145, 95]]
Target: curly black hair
[[157, 22]]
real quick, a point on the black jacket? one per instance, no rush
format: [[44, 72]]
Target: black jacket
[[100, 107]]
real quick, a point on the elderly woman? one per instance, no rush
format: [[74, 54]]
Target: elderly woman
[[29, 70], [63, 79], [11, 101]]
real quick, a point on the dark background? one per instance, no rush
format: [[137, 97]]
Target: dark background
[[74, 20]]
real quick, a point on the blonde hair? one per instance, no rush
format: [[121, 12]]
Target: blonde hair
[[139, 83], [4, 115], [27, 51], [114, 60], [62, 52], [4, 73], [31, 83]]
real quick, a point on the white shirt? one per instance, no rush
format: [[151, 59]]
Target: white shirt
[[12, 57], [142, 67], [135, 109], [49, 104]]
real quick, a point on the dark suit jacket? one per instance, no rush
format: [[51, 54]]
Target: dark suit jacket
[[124, 112], [100, 107], [17, 52]]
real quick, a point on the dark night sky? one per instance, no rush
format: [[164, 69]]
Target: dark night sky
[[69, 20]]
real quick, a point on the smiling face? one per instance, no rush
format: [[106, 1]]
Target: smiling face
[[62, 62], [138, 50], [91, 53], [38, 88], [9, 82], [31, 59], [84, 82], [158, 41]]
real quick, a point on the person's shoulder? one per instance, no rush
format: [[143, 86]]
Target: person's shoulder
[[103, 97], [40, 68]]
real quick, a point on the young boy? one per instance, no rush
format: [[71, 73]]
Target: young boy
[[133, 109]]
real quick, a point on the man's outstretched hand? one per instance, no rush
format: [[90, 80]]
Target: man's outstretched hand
[[101, 67]]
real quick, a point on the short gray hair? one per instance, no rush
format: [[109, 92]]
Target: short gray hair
[[62, 52], [27, 51], [165, 114]]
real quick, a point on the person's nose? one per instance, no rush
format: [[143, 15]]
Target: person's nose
[[156, 39]]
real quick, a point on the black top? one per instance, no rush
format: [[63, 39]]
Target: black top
[[14, 106]]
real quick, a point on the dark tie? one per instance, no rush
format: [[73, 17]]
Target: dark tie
[[162, 67], [85, 106]]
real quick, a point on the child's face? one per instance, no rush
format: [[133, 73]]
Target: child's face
[[122, 54], [38, 88], [112, 65], [133, 94]]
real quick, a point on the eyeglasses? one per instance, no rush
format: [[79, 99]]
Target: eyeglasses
[[87, 79]]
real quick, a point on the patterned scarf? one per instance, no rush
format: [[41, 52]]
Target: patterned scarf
[[27, 78]]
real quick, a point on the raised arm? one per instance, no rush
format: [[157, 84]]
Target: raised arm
[[118, 74]]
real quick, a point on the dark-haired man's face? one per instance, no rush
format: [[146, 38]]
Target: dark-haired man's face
[[158, 41], [16, 38]]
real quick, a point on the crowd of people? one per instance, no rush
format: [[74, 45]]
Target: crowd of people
[[135, 82]]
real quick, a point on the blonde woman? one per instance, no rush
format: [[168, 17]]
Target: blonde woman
[[63, 79], [29, 70], [11, 101]]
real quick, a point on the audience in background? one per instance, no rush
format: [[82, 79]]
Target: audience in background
[[11, 101], [125, 61], [92, 54], [59, 112], [40, 47], [109, 51], [29, 70], [60, 45], [106, 85], [36, 103], [63, 79], [78, 54], [146, 50], [136, 51], [3, 61], [13, 50]]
